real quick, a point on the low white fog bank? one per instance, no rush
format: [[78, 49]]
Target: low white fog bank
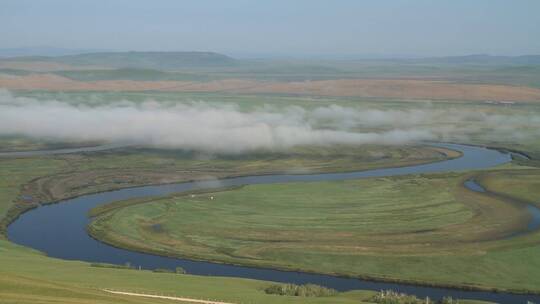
[[227, 129]]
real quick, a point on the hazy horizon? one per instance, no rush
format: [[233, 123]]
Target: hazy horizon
[[239, 28], [49, 51]]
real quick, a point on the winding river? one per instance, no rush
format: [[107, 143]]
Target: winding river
[[59, 230]]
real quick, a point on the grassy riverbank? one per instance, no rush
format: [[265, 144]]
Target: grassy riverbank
[[523, 184], [28, 277], [25, 182], [421, 229]]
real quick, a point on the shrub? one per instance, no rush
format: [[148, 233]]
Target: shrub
[[177, 270], [449, 300], [392, 297], [307, 290]]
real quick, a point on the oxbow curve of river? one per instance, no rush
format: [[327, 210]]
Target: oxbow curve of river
[[59, 230]]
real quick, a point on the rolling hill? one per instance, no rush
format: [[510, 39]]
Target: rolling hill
[[141, 60]]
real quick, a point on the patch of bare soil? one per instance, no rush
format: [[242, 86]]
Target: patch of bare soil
[[415, 89], [57, 83], [385, 88]]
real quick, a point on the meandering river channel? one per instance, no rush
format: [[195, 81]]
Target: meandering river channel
[[59, 230]]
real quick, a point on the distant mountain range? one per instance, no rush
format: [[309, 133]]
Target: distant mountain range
[[43, 51]]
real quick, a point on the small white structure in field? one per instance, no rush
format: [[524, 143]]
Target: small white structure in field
[[193, 195], [211, 197]]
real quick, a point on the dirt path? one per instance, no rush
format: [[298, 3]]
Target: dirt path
[[164, 297]]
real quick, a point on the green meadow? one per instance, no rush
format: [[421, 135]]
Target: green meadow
[[417, 228]]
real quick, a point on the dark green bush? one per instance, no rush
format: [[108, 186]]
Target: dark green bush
[[177, 270], [449, 300], [106, 265]]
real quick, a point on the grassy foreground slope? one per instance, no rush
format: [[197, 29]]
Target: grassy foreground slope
[[28, 277], [421, 229]]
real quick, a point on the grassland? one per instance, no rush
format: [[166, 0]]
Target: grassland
[[475, 78], [26, 182], [524, 185], [28, 277], [419, 229]]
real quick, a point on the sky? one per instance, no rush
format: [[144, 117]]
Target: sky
[[277, 27]]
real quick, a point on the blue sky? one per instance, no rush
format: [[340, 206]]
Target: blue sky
[[281, 27]]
